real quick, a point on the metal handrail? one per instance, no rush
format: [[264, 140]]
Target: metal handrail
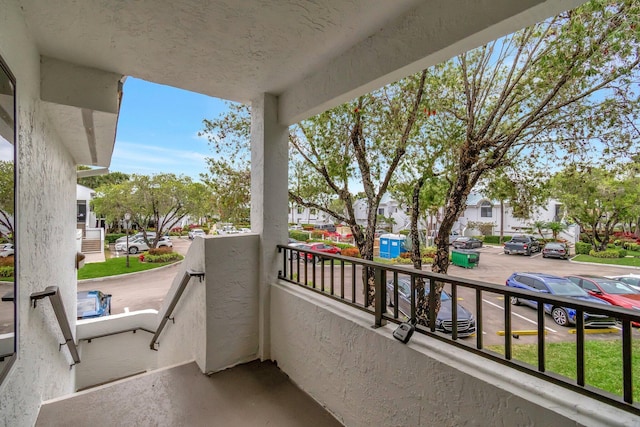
[[172, 305], [108, 334], [61, 316], [297, 271]]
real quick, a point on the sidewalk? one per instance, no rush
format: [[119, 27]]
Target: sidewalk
[[94, 257]]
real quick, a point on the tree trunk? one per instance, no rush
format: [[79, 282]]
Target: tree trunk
[[422, 305]]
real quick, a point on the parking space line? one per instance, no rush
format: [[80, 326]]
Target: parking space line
[[516, 314]]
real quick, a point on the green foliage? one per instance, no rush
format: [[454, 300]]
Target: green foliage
[[95, 182], [352, 252], [162, 258], [7, 207], [112, 237], [583, 248], [162, 199], [160, 251], [495, 240], [608, 253], [486, 228], [6, 271], [301, 236], [114, 267]]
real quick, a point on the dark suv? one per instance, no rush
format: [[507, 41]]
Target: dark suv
[[560, 286]]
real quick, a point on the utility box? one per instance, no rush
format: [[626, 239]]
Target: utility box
[[392, 245], [465, 258]]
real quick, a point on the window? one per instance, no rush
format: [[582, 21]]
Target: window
[[313, 212], [82, 211], [486, 210], [380, 211], [300, 210], [8, 287]]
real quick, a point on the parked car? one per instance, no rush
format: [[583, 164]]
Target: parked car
[[467, 243], [6, 250], [610, 290], [522, 244], [139, 245], [452, 236], [631, 280], [151, 235], [93, 304], [555, 250], [322, 247], [444, 319], [331, 228], [560, 286], [195, 232]]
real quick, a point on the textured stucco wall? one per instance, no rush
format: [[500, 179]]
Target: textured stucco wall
[[45, 220], [115, 356], [232, 300], [366, 377]]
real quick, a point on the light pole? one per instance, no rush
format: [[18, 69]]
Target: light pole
[[127, 223]]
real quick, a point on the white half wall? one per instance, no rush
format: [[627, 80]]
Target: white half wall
[[365, 377]]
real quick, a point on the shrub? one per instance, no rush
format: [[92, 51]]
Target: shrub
[[6, 271], [317, 234], [583, 248], [427, 260], [495, 240], [609, 253], [167, 257], [299, 235], [160, 251], [622, 253], [404, 232], [112, 237], [352, 252], [405, 255], [429, 251], [401, 260]]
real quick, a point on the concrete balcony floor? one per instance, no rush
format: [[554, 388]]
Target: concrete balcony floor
[[253, 394]]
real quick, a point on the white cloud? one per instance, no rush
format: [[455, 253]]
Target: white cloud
[[131, 157]]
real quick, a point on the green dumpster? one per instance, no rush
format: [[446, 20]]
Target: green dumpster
[[465, 258]]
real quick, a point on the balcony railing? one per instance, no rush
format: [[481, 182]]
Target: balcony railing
[[341, 279]]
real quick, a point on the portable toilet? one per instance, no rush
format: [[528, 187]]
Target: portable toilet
[[392, 245]]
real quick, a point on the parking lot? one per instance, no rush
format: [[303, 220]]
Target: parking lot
[[495, 267]]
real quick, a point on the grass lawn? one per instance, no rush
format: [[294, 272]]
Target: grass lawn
[[115, 266], [634, 262], [603, 362]]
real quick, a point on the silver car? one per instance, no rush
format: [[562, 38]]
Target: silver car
[[139, 245]]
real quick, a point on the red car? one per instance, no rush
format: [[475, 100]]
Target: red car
[[613, 291], [321, 247]]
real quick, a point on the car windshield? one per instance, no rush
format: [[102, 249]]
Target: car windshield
[[615, 287], [565, 287], [404, 286]]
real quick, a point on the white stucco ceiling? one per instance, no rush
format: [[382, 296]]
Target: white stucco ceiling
[[313, 54]]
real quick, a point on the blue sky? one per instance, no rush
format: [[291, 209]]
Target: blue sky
[[158, 130]]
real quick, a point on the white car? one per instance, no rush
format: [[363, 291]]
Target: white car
[[139, 245], [196, 232], [150, 236], [631, 280], [6, 250]]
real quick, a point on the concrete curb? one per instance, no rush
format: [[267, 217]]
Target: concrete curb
[[101, 279]]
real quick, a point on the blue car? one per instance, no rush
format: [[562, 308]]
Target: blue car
[[93, 304], [555, 285]]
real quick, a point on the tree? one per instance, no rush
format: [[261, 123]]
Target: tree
[[7, 205], [596, 199], [162, 200], [556, 227], [229, 176], [97, 181]]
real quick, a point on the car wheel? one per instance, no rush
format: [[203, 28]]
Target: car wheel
[[133, 250], [506, 252], [560, 316], [528, 253], [514, 300], [317, 259], [544, 256]]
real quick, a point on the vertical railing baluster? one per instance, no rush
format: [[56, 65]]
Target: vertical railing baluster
[[378, 302], [627, 366], [395, 294], [331, 277], [306, 269], [313, 271], [580, 347], [322, 274], [413, 296], [454, 311], [479, 328], [507, 328], [353, 283], [432, 308], [298, 265], [341, 279], [541, 342]]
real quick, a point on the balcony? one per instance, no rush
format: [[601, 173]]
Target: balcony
[[340, 353]]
